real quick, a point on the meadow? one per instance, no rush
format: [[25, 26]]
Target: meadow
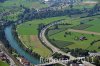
[[3, 63], [13, 8], [61, 40], [28, 34], [70, 42], [96, 25], [28, 4]]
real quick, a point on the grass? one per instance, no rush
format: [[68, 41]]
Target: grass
[[74, 24], [29, 4], [77, 43], [96, 25], [30, 28], [58, 34], [13, 7], [82, 26], [11, 17], [32, 42], [28, 34], [60, 43], [90, 23], [3, 63], [82, 6]]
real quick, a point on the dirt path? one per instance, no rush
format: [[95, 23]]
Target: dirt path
[[89, 2], [83, 31]]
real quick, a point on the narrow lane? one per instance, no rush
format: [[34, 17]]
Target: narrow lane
[[84, 31]]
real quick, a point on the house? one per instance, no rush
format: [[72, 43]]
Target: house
[[3, 56], [83, 38], [24, 61]]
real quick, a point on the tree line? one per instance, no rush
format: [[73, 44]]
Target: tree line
[[2, 1]]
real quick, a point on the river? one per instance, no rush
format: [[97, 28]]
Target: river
[[14, 44]]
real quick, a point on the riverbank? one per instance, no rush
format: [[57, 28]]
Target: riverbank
[[14, 31], [28, 34], [9, 36]]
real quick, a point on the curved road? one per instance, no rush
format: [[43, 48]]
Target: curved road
[[47, 43], [55, 49]]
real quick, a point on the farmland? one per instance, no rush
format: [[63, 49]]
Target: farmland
[[11, 9], [95, 27], [28, 34], [30, 29], [28, 4], [62, 38], [3, 64], [70, 42]]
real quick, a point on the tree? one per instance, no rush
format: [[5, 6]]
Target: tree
[[2, 1], [56, 27], [98, 47], [40, 27], [71, 6], [64, 35]]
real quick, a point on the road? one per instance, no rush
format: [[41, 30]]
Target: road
[[83, 31], [13, 61], [55, 49], [47, 43]]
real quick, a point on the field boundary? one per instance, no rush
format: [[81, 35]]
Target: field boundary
[[83, 31]]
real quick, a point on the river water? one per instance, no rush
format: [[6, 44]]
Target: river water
[[15, 45]]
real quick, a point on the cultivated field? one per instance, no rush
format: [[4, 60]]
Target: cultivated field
[[29, 4], [11, 9], [63, 38], [72, 41], [28, 34]]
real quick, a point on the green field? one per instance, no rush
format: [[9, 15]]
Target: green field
[[96, 25], [30, 27], [28, 34], [70, 42], [57, 38], [29, 4], [3, 64], [90, 24], [13, 8]]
